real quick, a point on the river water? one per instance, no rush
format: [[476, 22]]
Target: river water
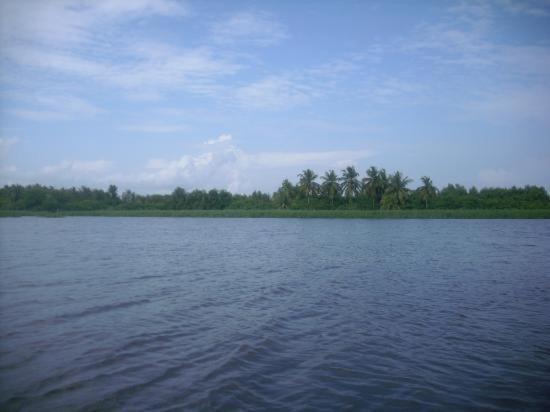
[[273, 314]]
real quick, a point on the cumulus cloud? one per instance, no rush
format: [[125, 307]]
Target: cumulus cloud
[[66, 173], [220, 169], [219, 163], [227, 166]]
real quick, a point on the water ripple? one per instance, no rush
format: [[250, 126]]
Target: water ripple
[[273, 315]]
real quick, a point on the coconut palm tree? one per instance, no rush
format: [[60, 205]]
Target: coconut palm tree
[[383, 183], [350, 184], [375, 184], [307, 183], [330, 185], [427, 191], [370, 183], [397, 192]]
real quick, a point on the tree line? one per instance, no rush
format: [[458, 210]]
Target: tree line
[[377, 189]]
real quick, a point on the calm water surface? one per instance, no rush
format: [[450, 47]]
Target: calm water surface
[[274, 314]]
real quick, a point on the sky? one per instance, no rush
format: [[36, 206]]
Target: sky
[[239, 95]]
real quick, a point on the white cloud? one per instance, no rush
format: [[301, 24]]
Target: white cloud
[[218, 164], [467, 40], [77, 168], [114, 9], [336, 68], [144, 95], [222, 166], [149, 69], [220, 139], [156, 128], [85, 39], [227, 166], [67, 104], [222, 169], [53, 107], [38, 115], [273, 93], [58, 61], [65, 23], [529, 7], [257, 28], [450, 44], [286, 90], [100, 51], [392, 91], [159, 67]]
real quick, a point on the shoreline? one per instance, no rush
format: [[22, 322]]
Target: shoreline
[[308, 214]]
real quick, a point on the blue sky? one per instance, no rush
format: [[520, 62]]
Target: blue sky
[[150, 95]]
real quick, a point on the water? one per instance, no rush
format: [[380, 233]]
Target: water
[[274, 314]]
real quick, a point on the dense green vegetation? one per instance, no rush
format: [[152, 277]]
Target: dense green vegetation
[[347, 192], [303, 213]]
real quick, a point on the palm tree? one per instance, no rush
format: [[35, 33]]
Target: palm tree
[[307, 183], [370, 183], [397, 191], [330, 185], [427, 191], [383, 183], [350, 184], [375, 184]]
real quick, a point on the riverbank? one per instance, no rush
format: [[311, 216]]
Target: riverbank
[[279, 213]]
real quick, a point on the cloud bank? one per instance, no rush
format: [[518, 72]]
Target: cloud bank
[[220, 164]]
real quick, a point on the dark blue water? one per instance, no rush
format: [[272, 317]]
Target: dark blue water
[[274, 314]]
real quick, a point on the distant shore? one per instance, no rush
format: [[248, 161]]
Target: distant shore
[[290, 213]]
